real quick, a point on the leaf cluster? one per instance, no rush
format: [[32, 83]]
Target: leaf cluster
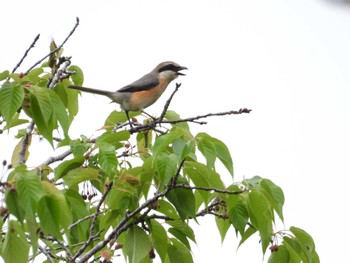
[[125, 192]]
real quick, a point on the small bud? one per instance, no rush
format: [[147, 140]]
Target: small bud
[[133, 119], [21, 75], [4, 162]]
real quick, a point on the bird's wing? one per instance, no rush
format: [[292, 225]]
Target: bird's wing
[[146, 82]]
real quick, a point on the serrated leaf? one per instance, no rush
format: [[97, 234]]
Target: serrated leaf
[[29, 190], [239, 216], [11, 98], [261, 216], [107, 158], [78, 76], [166, 167], [15, 247], [137, 244]]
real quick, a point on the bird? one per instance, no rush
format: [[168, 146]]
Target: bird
[[143, 92]]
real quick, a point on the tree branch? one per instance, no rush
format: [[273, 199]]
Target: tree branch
[[26, 53], [56, 49]]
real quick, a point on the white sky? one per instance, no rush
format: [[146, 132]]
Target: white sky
[[289, 61]]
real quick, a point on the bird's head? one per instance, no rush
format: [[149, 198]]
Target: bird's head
[[169, 70]]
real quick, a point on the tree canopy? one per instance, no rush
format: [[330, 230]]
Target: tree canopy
[[132, 191]]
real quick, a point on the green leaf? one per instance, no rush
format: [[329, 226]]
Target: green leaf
[[213, 148], [239, 216], [248, 233], [60, 111], [11, 98], [207, 148], [275, 195], [180, 249], [114, 138], [67, 166], [5, 74], [137, 244], [223, 226], [53, 211], [163, 142], [78, 175], [166, 167], [184, 202], [180, 236], [78, 76], [167, 209], [107, 158], [39, 119], [29, 190], [13, 204], [159, 238], [183, 227], [307, 244], [261, 216], [15, 247]]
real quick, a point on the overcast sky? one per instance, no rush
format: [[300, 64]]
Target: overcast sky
[[288, 61]]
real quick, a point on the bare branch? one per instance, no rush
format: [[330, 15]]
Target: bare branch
[[26, 53], [58, 48]]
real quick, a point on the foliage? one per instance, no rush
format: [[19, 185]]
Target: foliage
[[128, 191]]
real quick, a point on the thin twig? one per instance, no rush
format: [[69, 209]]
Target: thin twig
[[56, 49], [167, 104], [26, 53], [93, 224], [209, 189]]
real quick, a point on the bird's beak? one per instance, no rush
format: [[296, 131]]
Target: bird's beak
[[180, 73]]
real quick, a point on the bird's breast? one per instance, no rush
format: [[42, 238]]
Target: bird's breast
[[142, 99]]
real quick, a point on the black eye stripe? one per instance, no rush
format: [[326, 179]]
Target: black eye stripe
[[168, 67]]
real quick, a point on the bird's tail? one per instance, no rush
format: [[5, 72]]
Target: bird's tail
[[90, 90]]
